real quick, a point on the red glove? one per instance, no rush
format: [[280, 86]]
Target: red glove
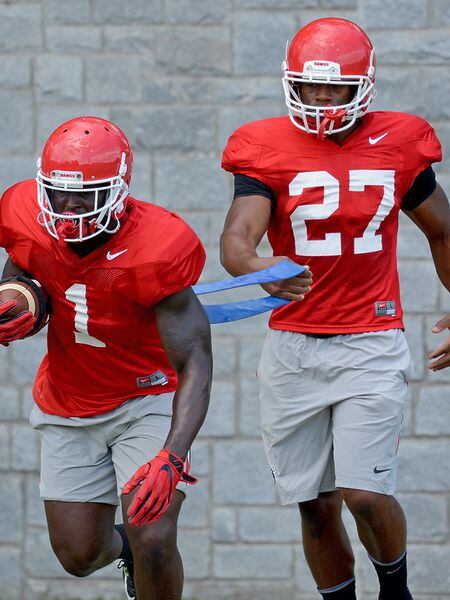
[[159, 478], [16, 328]]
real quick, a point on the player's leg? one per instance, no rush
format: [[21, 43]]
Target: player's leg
[[325, 541], [82, 535], [380, 521], [366, 429], [158, 569], [382, 530], [297, 435], [78, 486]]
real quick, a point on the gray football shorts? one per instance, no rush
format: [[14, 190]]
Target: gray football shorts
[[331, 410], [89, 459]]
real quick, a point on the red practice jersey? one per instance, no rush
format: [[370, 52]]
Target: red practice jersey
[[337, 211], [103, 344]]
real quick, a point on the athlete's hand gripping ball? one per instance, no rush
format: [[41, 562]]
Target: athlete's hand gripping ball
[[14, 328], [24, 308], [159, 478]]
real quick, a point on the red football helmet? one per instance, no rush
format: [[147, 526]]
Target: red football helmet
[[84, 154], [331, 51]]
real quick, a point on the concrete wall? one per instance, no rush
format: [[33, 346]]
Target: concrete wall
[[178, 76]]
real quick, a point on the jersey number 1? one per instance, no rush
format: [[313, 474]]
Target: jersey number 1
[[77, 294], [370, 241]]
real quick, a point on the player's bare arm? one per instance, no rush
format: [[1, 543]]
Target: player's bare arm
[[433, 218], [245, 225], [185, 334]]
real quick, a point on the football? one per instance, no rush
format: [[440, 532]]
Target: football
[[29, 295]]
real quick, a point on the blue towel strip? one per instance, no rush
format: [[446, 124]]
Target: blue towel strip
[[233, 311]]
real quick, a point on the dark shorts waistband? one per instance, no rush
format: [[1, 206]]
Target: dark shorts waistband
[[320, 335]]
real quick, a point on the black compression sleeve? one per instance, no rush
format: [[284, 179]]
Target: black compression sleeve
[[249, 186], [422, 188]]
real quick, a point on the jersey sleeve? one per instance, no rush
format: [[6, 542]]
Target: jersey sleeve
[[421, 189], [179, 266], [249, 186], [420, 151], [7, 236], [428, 147], [181, 273], [14, 236], [242, 155]]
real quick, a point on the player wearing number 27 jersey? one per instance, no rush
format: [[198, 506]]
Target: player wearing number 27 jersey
[[327, 184], [336, 209]]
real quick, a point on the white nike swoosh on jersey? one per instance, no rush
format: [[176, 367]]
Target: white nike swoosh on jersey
[[373, 141], [110, 256]]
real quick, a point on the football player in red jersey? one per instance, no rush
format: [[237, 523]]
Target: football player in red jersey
[[127, 341], [327, 185]]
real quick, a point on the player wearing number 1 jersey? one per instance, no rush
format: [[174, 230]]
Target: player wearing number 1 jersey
[[327, 184], [127, 339]]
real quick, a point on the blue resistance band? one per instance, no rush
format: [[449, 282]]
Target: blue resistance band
[[233, 311]]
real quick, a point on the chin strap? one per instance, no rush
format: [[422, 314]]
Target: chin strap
[[67, 228], [331, 115]]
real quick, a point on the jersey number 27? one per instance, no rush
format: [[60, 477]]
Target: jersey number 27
[[370, 241]]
